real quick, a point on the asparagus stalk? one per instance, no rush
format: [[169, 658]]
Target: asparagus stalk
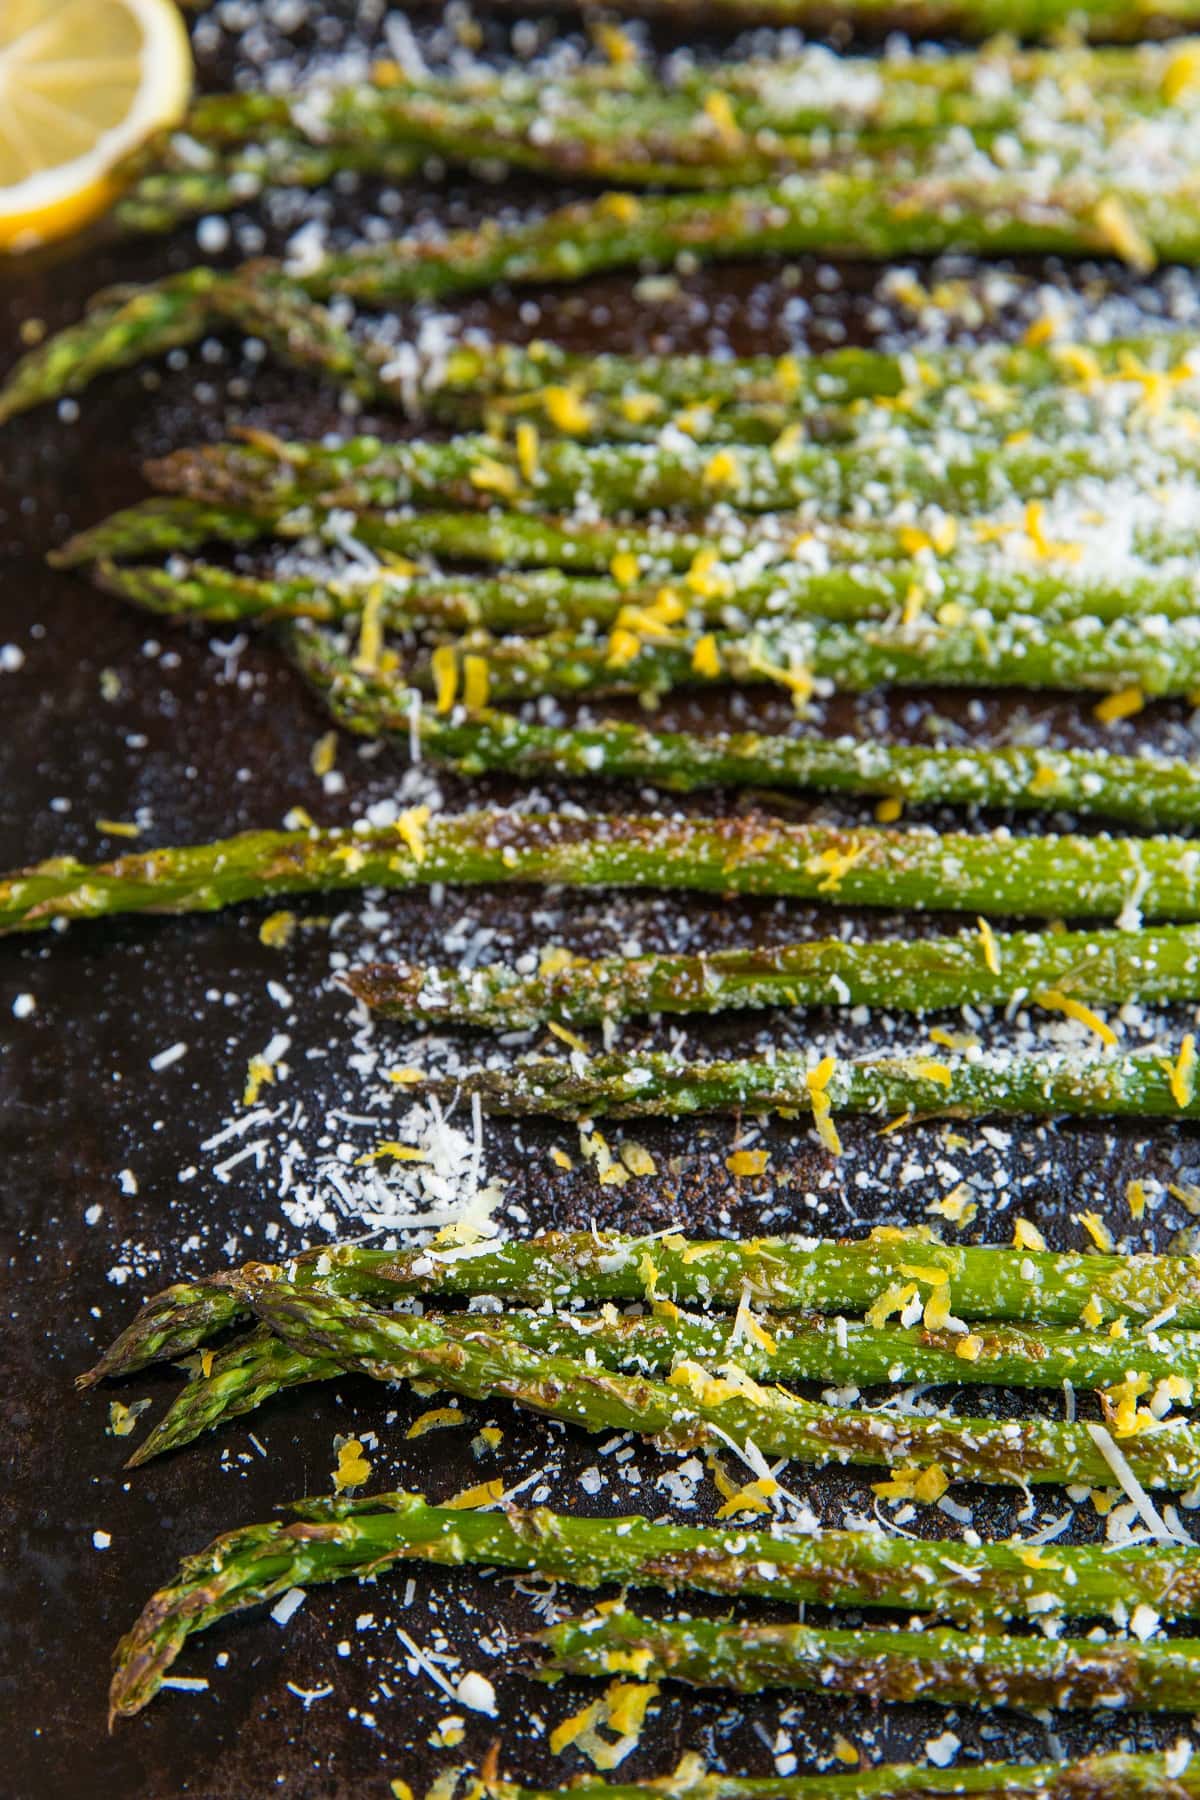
[[807, 384], [171, 523], [945, 1666], [471, 471], [339, 1539], [811, 1347], [1138, 1086], [793, 92], [1136, 789], [694, 1409], [904, 974], [547, 599], [831, 212], [1085, 655], [521, 540], [1112, 1777], [1103, 20], [163, 197], [1031, 1287], [1052, 877]]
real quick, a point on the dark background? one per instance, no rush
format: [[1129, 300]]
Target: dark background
[[204, 741]]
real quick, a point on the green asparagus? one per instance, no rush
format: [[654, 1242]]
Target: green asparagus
[[1114, 1777], [546, 599], [809, 1348], [472, 471], [986, 1282], [1104, 20], [337, 1539], [1139, 1086], [909, 975], [1153, 656], [989, 211], [1051, 877], [945, 1666], [695, 1409], [1139, 790]]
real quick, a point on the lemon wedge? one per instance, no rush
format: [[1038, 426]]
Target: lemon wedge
[[82, 84]]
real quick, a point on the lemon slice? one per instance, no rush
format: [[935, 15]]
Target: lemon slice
[[82, 83]]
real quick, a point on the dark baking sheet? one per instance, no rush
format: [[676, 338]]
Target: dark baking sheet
[[208, 741]]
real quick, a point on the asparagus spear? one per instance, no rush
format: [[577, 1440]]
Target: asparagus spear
[[1104, 20], [1052, 877], [546, 599], [337, 1539], [163, 197], [831, 212], [171, 523], [1087, 655], [1113, 1777], [695, 1409], [804, 384], [945, 1666], [471, 471], [807, 1348], [1033, 1287], [1137, 789], [905, 974], [650, 1085]]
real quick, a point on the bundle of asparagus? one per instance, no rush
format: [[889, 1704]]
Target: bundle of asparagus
[[1036, 1287], [248, 1372], [987, 209], [334, 1540], [721, 125]]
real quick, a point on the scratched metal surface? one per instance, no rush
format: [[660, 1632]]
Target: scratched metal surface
[[210, 744]]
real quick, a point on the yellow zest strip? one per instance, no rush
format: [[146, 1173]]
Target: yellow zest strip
[[370, 632], [914, 1483], [352, 1466], [625, 568], [936, 1071], [567, 410], [444, 664], [1026, 1236], [1124, 704], [568, 1037], [991, 951], [529, 450], [1056, 1001], [754, 1497], [1181, 1074], [706, 658], [1121, 233], [747, 1162], [390, 1147], [817, 1081], [410, 829], [323, 754], [1096, 1229], [475, 682], [437, 1419], [485, 1494]]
